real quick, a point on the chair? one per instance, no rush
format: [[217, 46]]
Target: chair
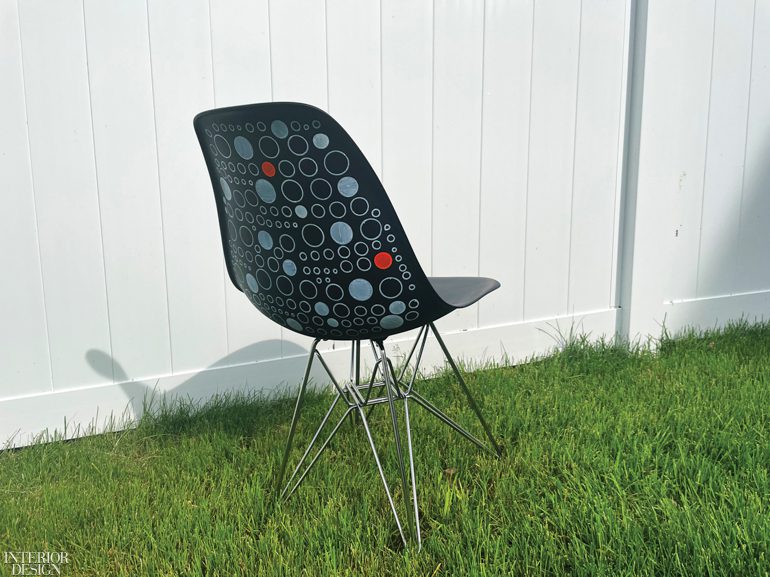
[[312, 240]]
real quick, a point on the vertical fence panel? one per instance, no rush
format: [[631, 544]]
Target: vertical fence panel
[[407, 108], [457, 89], [598, 123], [61, 145], [181, 67], [355, 91], [241, 66], [552, 137], [507, 74], [725, 149], [754, 272], [25, 368], [127, 175]]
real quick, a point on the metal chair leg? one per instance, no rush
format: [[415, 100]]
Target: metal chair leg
[[295, 418]]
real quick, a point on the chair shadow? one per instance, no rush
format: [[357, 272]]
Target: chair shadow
[[238, 415]]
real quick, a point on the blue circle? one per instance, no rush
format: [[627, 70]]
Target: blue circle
[[397, 307], [348, 186], [334, 323], [360, 289], [265, 190], [322, 309], [226, 189], [301, 211], [320, 140], [391, 322], [265, 240], [292, 324], [252, 282], [289, 267], [279, 128], [243, 148], [341, 232]]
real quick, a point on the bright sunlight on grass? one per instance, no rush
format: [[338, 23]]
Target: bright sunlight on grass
[[618, 462]]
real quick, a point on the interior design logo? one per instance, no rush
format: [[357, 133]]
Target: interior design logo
[[35, 562]]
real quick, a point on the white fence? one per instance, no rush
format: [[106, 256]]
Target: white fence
[[500, 129]]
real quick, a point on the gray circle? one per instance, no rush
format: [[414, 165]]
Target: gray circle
[[318, 210], [291, 190], [335, 292], [312, 235], [251, 197], [223, 147], [308, 166], [361, 248], [346, 266], [341, 232], [341, 310], [337, 209], [286, 168], [343, 251], [272, 264], [411, 315], [322, 309], [321, 189], [294, 325], [320, 141], [265, 240], [391, 287], [298, 145], [363, 264], [378, 310], [264, 279], [246, 237], [279, 128], [359, 206], [334, 323], [243, 148], [371, 229], [284, 285], [308, 289], [269, 147], [226, 189], [305, 306], [265, 190], [287, 243], [301, 211], [252, 282], [336, 162], [391, 322], [289, 267], [360, 289], [348, 186]]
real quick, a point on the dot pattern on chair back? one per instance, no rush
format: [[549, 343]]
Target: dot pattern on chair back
[[308, 232]]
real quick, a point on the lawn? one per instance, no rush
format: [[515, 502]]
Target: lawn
[[618, 461]]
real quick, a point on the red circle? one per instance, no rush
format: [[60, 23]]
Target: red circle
[[383, 260], [268, 168]]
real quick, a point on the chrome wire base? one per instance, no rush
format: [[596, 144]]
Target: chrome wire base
[[357, 397]]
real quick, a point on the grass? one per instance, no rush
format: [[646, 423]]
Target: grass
[[618, 461]]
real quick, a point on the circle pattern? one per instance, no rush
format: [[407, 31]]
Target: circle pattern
[[308, 232]]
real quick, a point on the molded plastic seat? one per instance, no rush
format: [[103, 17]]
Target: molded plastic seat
[[462, 291]]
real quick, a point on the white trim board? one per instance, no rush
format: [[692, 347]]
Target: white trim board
[[77, 412]]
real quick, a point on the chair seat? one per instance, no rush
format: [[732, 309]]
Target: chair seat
[[462, 291]]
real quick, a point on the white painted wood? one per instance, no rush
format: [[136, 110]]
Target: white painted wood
[[457, 91], [25, 368], [62, 153], [671, 156], [182, 87], [241, 68], [240, 51], [720, 223], [754, 243], [355, 91], [594, 184], [556, 42], [407, 108], [505, 145], [127, 176], [115, 406], [298, 51], [685, 83]]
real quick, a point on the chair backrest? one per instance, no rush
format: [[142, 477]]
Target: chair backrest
[[308, 232]]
